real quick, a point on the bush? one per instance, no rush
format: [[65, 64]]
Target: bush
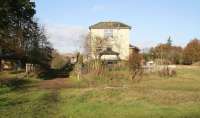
[[94, 66], [58, 60], [167, 71]]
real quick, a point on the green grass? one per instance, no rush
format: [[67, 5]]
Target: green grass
[[152, 97]]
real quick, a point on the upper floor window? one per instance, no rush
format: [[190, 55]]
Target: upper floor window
[[108, 33]]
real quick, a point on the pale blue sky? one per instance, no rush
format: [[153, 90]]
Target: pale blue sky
[[152, 20]]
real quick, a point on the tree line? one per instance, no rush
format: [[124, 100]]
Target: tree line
[[171, 54], [22, 38]]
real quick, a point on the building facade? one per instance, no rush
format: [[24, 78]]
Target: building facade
[[111, 36]]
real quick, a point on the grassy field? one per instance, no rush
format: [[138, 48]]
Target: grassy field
[[152, 97]]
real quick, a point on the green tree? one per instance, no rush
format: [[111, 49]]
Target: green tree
[[20, 35], [169, 41]]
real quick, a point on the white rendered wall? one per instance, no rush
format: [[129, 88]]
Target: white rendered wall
[[119, 42]]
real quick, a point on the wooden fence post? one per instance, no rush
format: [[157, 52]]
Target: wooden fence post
[[1, 66]]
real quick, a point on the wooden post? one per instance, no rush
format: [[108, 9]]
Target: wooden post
[[1, 66], [28, 69]]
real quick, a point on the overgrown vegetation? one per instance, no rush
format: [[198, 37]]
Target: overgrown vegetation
[[118, 97], [58, 60], [135, 65], [95, 88]]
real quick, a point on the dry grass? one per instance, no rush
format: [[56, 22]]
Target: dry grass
[[103, 97]]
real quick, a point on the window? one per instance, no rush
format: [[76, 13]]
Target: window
[[108, 33]]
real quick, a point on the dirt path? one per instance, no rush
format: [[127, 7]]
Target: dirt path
[[57, 83]]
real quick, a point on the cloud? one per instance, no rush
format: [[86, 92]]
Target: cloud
[[66, 38]]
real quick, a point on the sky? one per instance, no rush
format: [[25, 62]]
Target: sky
[[152, 21]]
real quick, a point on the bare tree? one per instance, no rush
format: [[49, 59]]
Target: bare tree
[[94, 45], [135, 66]]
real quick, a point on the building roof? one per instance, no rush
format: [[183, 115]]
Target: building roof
[[110, 25]]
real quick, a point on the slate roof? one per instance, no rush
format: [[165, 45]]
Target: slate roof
[[110, 25]]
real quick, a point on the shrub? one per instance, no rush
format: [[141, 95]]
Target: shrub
[[167, 72], [94, 66]]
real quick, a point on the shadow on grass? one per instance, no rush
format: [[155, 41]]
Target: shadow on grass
[[17, 72], [48, 106], [5, 102], [15, 83], [57, 73]]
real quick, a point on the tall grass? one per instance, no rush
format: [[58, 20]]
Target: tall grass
[[152, 97]]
